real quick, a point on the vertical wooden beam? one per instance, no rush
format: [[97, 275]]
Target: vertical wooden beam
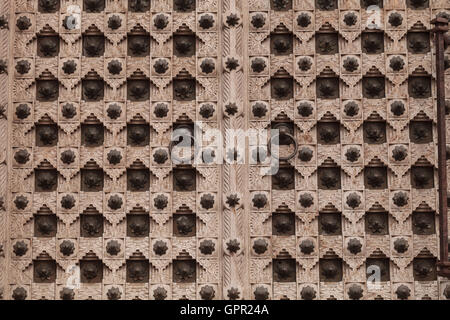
[[234, 175], [6, 53], [441, 27]]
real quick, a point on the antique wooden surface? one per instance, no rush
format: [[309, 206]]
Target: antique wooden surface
[[88, 191]]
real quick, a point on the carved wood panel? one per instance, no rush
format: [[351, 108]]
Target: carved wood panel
[[93, 205]]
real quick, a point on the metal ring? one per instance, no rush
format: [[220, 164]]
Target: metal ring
[[181, 160], [291, 137]]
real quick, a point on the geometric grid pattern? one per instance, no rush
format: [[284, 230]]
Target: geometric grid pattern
[[355, 112], [115, 199], [97, 88]]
